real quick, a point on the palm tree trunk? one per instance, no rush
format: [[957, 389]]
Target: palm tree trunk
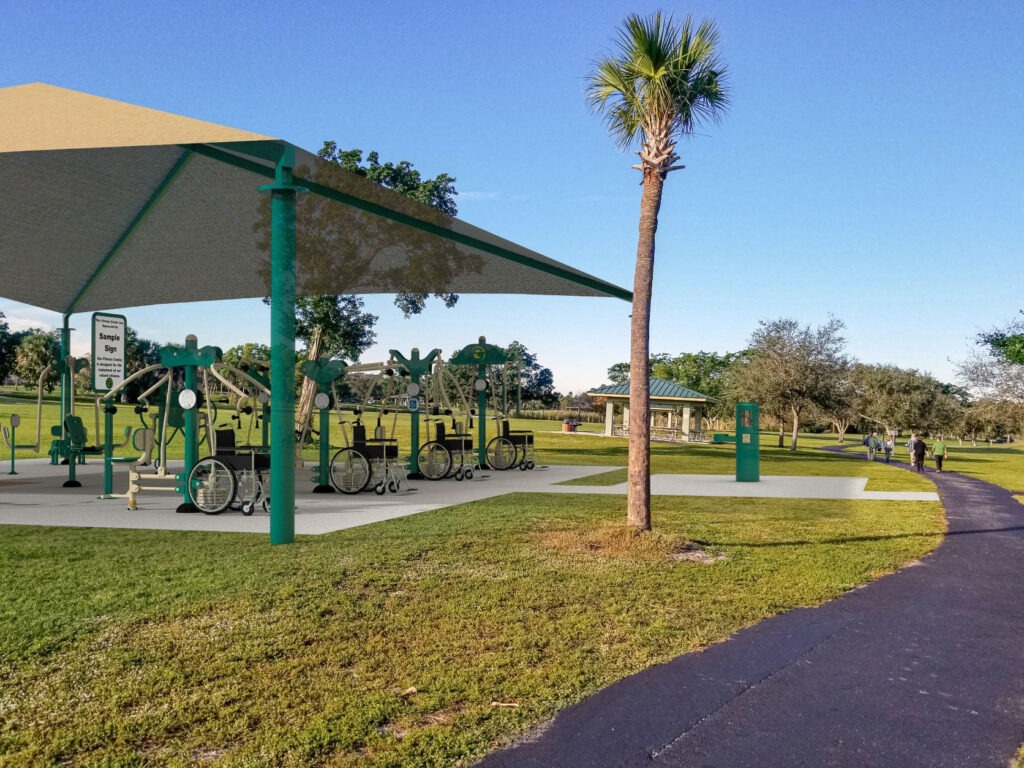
[[638, 499]]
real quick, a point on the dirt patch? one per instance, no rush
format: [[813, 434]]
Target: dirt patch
[[694, 553], [618, 541]]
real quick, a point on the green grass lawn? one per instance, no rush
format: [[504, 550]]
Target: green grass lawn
[[398, 643]]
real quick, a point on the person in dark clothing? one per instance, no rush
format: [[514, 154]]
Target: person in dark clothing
[[920, 451]]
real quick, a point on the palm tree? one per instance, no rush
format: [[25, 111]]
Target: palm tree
[[657, 87]]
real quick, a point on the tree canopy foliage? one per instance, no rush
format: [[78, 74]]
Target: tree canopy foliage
[[791, 369], [438, 192], [36, 350]]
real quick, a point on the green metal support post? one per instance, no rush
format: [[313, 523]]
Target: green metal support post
[[191, 417], [65, 373], [323, 371], [282, 349], [481, 355], [481, 409], [416, 367], [108, 448]]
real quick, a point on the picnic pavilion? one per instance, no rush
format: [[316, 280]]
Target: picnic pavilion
[[677, 412]]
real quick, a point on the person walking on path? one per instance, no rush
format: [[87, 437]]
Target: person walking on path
[[888, 446], [873, 444], [920, 450], [939, 452], [910, 448]]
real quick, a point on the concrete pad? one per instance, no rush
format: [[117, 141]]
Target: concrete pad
[[770, 486], [35, 497]]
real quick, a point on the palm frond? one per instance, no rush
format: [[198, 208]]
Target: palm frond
[[662, 79]]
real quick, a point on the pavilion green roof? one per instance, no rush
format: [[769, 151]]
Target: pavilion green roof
[[660, 389]]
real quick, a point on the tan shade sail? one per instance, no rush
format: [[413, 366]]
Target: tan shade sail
[[105, 204]]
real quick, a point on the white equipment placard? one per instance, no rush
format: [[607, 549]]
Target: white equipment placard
[[108, 350]]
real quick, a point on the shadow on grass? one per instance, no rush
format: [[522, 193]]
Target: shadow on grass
[[854, 539]]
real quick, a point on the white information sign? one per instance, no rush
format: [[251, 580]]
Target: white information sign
[[108, 350]]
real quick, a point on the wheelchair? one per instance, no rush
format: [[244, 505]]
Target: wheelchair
[[512, 447], [235, 477], [368, 462], [448, 455]]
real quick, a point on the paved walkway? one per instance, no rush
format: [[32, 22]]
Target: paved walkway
[[921, 668]]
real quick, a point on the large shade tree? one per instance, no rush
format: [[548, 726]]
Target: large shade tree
[[792, 369], [659, 84]]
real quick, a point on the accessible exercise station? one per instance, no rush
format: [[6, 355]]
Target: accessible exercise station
[[221, 415]]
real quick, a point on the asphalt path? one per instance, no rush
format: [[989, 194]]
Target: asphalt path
[[924, 667]]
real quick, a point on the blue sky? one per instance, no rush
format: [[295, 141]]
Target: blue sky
[[870, 166]]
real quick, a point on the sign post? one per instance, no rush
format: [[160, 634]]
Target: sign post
[[108, 350], [748, 469]]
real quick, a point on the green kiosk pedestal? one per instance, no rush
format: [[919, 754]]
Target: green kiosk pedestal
[[748, 460]]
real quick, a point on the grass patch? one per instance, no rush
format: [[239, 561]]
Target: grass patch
[[421, 641]]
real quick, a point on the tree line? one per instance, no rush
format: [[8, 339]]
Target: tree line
[[802, 378]]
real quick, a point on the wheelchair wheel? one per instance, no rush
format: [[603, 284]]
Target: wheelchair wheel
[[501, 453], [435, 461], [350, 471], [211, 486]]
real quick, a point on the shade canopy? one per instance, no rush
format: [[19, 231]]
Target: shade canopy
[[105, 204]]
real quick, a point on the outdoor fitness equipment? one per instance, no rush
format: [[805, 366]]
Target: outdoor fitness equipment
[[234, 476], [10, 439], [448, 454], [66, 366], [324, 372], [417, 367], [481, 355]]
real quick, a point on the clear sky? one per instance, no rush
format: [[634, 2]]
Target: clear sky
[[870, 166]]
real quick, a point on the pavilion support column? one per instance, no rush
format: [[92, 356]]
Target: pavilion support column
[[609, 417], [66, 372], [282, 350]]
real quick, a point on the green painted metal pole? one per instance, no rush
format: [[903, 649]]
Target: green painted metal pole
[[191, 420], [65, 373], [108, 448], [481, 408], [14, 445], [417, 367], [325, 445], [282, 350]]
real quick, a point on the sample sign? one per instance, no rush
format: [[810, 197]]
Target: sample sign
[[108, 350]]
